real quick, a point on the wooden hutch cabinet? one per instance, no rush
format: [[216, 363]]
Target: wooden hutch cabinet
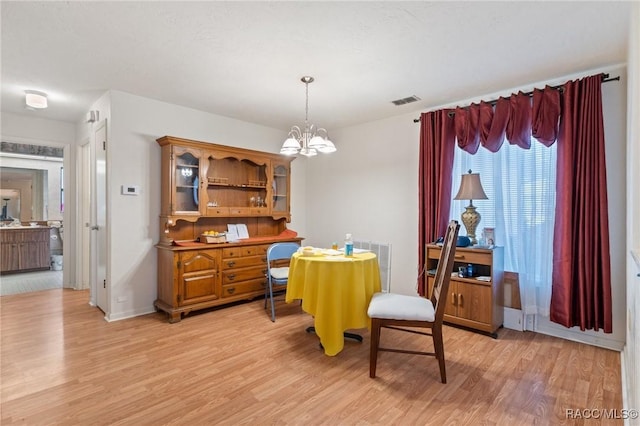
[[205, 187], [474, 302]]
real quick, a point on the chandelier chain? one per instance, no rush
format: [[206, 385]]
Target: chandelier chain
[[306, 108]]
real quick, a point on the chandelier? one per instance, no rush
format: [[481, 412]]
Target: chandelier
[[310, 140]]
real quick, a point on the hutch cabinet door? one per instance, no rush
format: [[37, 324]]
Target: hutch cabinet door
[[199, 276], [185, 181], [280, 190]]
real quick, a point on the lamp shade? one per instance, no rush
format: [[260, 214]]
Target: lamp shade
[[471, 188], [317, 142], [328, 148]]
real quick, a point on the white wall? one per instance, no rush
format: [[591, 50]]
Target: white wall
[[369, 188], [631, 353], [25, 128], [133, 158]]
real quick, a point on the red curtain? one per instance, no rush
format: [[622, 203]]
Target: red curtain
[[437, 138], [581, 284], [581, 287]]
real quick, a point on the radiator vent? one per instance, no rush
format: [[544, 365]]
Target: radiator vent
[[408, 100], [383, 252]]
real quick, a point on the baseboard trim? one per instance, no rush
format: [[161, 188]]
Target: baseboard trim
[[623, 373], [548, 328], [129, 314]]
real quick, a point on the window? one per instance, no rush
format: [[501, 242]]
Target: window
[[520, 185]]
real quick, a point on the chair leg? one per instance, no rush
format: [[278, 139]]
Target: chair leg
[[375, 343], [273, 309], [266, 290], [439, 350]]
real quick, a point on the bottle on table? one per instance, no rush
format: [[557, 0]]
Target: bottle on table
[[348, 245]]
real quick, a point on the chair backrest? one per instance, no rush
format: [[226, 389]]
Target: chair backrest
[[278, 251], [445, 267]]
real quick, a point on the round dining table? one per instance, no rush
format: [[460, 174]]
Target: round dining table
[[335, 290]]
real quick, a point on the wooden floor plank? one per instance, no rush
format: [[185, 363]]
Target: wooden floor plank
[[62, 364]]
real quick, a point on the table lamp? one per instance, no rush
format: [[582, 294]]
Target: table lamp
[[471, 189]]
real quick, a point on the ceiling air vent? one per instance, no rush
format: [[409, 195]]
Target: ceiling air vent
[[408, 100]]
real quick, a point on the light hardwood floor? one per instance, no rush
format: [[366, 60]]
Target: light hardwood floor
[[63, 364]]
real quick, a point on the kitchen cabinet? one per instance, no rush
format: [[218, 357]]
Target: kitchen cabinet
[[24, 249]]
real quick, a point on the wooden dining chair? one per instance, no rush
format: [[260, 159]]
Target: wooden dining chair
[[397, 311]]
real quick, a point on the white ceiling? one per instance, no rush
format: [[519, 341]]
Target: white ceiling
[[245, 59]]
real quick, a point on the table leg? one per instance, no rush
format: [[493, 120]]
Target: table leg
[[347, 335]]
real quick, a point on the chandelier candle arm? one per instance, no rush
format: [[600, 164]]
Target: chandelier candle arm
[[310, 140]]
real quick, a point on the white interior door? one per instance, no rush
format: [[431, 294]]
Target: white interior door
[[84, 188], [99, 212]]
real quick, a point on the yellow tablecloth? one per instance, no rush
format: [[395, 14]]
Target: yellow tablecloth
[[336, 290]]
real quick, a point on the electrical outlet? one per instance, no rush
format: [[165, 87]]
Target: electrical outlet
[[529, 319]]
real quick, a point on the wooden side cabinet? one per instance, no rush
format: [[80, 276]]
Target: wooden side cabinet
[[473, 302]]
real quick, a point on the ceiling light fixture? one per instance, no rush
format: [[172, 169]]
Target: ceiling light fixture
[[36, 100], [312, 139]]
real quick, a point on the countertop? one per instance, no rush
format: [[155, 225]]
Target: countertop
[[24, 227]]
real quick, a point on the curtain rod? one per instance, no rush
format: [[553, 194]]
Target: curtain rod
[[605, 79]]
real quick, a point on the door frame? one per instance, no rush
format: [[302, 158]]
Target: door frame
[[70, 203], [100, 297]]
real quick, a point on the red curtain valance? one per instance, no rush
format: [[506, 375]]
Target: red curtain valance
[[517, 118]]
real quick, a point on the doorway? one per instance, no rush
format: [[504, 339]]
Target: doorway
[[32, 191]]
